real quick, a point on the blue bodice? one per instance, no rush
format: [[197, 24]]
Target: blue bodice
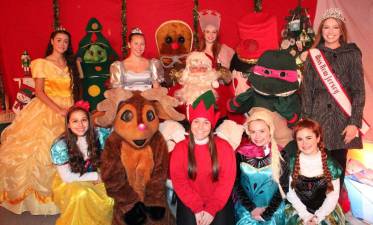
[[59, 151]]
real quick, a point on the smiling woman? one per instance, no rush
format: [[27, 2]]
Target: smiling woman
[[202, 169], [262, 174], [314, 190], [340, 120], [136, 72], [27, 170]]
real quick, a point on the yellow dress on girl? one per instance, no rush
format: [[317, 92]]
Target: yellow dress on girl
[[80, 200], [27, 172]]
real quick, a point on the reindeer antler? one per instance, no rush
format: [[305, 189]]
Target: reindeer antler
[[110, 104], [167, 103]]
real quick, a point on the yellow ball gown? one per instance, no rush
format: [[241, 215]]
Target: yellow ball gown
[[27, 172]]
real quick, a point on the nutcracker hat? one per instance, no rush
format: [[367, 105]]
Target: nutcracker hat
[[204, 106], [209, 17], [257, 33]]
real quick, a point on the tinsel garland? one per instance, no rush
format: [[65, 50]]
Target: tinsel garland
[[195, 25], [56, 14], [258, 5], [124, 29]]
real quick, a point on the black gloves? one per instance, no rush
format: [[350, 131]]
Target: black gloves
[[155, 212], [137, 215]]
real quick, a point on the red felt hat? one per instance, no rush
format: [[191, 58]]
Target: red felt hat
[[204, 106], [258, 33]]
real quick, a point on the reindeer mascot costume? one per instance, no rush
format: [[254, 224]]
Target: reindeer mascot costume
[[135, 160]]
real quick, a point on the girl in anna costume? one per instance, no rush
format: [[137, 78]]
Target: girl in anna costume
[[262, 175], [77, 188], [314, 180]]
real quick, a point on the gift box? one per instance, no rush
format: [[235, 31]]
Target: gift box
[[361, 198]]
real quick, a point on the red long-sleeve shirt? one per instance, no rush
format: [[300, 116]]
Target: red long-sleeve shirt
[[202, 194]]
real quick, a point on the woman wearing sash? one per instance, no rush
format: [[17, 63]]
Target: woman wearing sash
[[343, 60]]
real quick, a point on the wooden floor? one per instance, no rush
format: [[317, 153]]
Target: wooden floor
[[8, 218]]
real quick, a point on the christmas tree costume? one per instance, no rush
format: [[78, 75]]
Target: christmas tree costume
[[94, 58], [26, 169]]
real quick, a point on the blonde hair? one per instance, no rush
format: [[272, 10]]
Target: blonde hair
[[276, 157]]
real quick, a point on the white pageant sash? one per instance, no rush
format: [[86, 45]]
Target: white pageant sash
[[333, 85]]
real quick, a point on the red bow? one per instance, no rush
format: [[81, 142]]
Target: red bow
[[82, 104]]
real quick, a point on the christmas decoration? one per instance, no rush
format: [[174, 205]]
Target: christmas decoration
[[195, 24], [26, 61], [56, 14], [298, 34], [124, 29], [94, 58], [26, 85]]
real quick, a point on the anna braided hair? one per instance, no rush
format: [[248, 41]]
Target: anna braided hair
[[316, 129]]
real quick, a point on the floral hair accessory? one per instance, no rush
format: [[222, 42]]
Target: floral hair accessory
[[335, 13], [82, 104]]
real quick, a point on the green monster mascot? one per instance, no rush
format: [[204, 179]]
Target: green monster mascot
[[94, 58]]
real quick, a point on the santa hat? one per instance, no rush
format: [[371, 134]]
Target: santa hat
[[204, 106]]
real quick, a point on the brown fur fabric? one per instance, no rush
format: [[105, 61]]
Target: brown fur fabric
[[131, 176]]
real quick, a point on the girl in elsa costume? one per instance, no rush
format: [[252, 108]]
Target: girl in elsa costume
[[77, 188], [262, 175]]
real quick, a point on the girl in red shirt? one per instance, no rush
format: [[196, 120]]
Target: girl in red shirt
[[203, 170]]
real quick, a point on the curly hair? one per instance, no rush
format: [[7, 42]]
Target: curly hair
[[70, 61], [316, 129], [76, 159]]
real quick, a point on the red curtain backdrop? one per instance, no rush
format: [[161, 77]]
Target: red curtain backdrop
[[26, 25]]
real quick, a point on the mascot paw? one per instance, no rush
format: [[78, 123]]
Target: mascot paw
[[136, 216], [155, 212]]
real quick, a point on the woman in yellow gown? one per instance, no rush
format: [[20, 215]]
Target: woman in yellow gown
[[77, 188], [26, 169]]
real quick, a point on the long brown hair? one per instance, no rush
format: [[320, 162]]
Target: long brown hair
[[192, 166], [76, 160], [316, 129], [216, 46], [70, 62], [319, 39]]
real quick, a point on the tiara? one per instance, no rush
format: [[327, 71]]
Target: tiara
[[60, 28], [209, 17], [136, 30], [335, 13]]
